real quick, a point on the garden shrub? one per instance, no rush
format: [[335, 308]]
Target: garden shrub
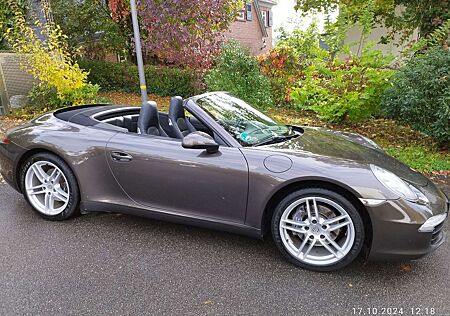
[[420, 94], [163, 81], [237, 71], [112, 76], [309, 75], [283, 69], [49, 62], [168, 81], [45, 98], [348, 90], [285, 64]]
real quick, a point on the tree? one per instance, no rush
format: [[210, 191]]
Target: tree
[[8, 18], [400, 16], [90, 25], [189, 32], [49, 62]]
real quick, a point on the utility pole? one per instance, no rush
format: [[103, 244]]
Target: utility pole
[[137, 43]]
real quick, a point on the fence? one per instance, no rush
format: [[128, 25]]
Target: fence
[[13, 80]]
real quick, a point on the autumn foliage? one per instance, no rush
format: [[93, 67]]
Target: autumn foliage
[[284, 69], [187, 33], [119, 9]]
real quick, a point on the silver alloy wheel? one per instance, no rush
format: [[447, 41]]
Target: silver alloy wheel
[[317, 231], [47, 188]]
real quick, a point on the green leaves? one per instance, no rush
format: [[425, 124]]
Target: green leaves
[[348, 90], [420, 94], [425, 15], [238, 72], [49, 62], [89, 27], [8, 18], [163, 81]]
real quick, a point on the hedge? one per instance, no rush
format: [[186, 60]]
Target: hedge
[[163, 81], [420, 94]]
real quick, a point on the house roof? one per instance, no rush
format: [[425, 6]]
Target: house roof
[[269, 3]]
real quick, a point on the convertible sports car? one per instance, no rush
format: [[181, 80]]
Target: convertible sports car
[[216, 162]]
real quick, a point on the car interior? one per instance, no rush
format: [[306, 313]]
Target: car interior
[[147, 120]]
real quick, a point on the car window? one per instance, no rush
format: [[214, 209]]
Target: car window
[[247, 125]]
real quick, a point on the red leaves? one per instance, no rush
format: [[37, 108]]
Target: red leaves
[[120, 9], [187, 32]]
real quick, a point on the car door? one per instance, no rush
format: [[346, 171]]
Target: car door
[[159, 173]]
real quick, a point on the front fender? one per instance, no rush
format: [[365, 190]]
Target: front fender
[[354, 177]]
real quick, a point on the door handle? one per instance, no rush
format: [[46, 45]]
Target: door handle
[[121, 157]]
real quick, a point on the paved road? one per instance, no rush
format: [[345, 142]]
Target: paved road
[[112, 264]]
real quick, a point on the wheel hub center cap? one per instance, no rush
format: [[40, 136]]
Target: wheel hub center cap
[[315, 229]]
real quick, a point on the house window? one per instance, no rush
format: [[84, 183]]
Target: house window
[[265, 18], [241, 15], [249, 12]]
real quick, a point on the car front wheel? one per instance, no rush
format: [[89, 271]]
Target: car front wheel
[[50, 187], [318, 229]]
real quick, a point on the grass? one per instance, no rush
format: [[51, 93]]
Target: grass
[[422, 159], [415, 149]]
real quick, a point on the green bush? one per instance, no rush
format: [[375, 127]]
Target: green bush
[[348, 90], [112, 76], [420, 94], [166, 81], [237, 71], [163, 81], [284, 68], [44, 97], [286, 63], [308, 76]]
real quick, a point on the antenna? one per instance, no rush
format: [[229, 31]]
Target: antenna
[[137, 43]]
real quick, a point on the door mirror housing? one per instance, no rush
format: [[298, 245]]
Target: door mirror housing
[[200, 140]]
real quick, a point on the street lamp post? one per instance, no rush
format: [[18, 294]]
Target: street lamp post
[[137, 43]]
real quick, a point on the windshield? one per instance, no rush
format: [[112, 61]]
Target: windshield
[[246, 124]]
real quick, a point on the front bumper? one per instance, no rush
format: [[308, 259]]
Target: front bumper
[[395, 230], [9, 155]]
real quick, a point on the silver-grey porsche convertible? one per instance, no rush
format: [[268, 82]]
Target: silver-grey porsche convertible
[[214, 161]]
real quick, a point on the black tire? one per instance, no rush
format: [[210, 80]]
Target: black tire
[[72, 209], [336, 198]]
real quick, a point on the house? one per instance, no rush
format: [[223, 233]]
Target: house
[[254, 26], [395, 47]]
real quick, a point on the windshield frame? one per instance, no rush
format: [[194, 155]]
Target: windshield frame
[[286, 130], [192, 106]]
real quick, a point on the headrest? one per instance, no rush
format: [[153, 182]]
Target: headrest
[[176, 109], [148, 117]]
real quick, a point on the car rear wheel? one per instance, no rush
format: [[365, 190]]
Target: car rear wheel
[[318, 229], [50, 187]]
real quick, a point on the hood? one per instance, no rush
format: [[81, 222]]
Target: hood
[[347, 146]]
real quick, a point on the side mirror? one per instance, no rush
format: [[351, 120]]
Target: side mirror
[[200, 140]]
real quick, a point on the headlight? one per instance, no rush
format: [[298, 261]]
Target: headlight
[[398, 186]]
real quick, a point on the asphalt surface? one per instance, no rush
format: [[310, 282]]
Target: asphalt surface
[[113, 264]]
